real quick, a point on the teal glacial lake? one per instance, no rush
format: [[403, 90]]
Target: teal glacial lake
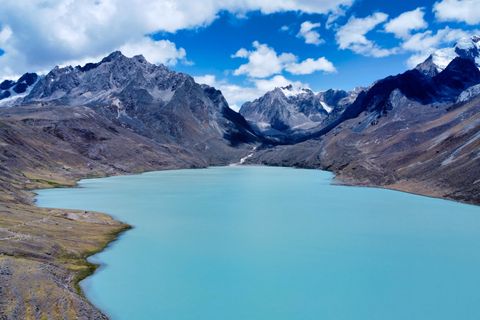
[[248, 243]]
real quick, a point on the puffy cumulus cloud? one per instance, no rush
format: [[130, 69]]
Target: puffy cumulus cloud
[[310, 65], [265, 62], [404, 24], [352, 36], [308, 32], [271, 6], [423, 44], [208, 79], [236, 94], [162, 51], [44, 33], [467, 11]]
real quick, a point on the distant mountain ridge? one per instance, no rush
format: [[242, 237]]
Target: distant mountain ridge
[[288, 110], [285, 119]]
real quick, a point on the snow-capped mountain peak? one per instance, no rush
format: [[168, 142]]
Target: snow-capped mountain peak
[[467, 48], [292, 91], [11, 91]]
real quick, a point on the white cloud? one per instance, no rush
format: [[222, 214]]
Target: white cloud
[[236, 94], [308, 33], [162, 51], [423, 44], [285, 28], [5, 34], [208, 79], [264, 62], [334, 16], [49, 32], [407, 22], [310, 65], [467, 11], [352, 35], [243, 53]]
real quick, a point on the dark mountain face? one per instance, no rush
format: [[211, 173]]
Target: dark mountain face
[[459, 75], [334, 97], [152, 100], [444, 87]]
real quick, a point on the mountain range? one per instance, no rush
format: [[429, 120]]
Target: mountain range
[[290, 115], [418, 131], [171, 110]]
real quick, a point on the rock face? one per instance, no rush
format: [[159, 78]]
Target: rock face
[[287, 112], [151, 100]]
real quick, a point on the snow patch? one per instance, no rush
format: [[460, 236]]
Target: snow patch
[[291, 91], [162, 95], [443, 57], [14, 97], [326, 107]]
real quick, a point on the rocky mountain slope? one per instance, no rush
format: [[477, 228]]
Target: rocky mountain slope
[[151, 100]]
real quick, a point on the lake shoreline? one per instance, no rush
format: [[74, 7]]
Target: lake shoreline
[[332, 182]]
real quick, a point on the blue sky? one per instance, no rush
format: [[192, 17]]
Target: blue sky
[[321, 44]]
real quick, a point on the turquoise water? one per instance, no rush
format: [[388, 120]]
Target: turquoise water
[[244, 243]]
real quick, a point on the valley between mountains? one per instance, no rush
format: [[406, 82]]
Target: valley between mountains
[[418, 132]]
